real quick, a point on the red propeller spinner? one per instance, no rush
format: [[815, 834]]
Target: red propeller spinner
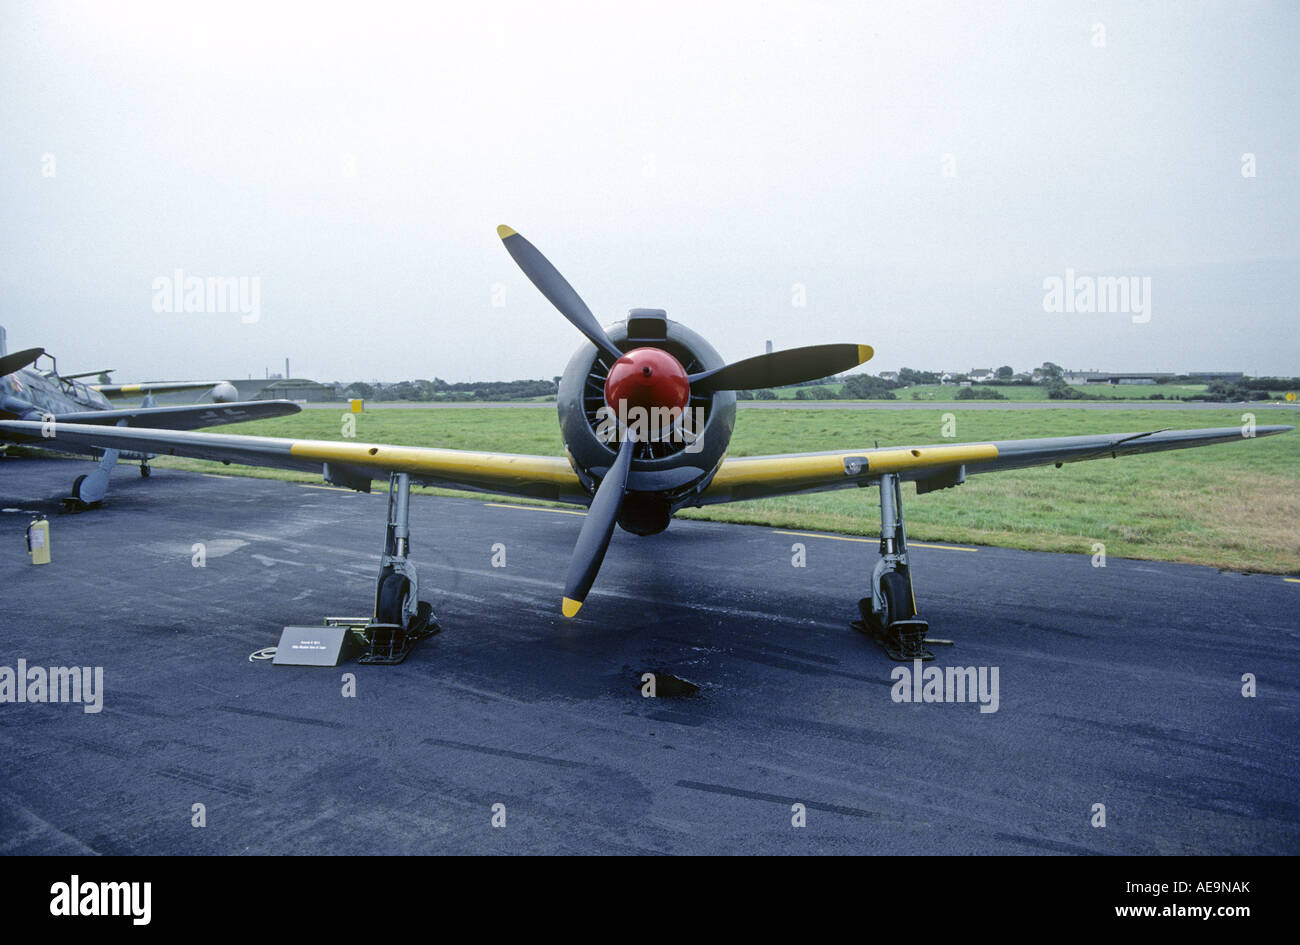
[[647, 378]]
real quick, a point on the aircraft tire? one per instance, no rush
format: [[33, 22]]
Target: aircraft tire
[[392, 595], [897, 591]]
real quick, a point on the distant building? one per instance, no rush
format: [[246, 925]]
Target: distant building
[[297, 388], [1205, 377], [889, 375], [980, 374]]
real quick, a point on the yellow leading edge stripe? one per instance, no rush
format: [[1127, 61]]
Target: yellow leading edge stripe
[[471, 465], [827, 468]]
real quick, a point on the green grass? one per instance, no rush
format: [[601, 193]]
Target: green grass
[[1231, 506]]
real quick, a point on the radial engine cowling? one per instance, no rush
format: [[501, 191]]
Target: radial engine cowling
[[668, 471]]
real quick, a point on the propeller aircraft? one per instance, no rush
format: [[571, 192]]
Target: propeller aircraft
[[30, 391], [646, 411]]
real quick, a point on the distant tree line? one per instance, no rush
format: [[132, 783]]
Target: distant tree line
[[440, 390], [853, 387], [1245, 388], [849, 387]]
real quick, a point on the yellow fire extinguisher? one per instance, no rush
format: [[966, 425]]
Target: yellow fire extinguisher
[[38, 540]]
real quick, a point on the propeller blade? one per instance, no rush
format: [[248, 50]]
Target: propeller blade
[[19, 360], [781, 368], [597, 529], [556, 289]]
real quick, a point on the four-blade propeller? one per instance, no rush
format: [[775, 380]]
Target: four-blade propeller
[[655, 374]]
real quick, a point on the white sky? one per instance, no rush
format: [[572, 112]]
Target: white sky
[[699, 157]]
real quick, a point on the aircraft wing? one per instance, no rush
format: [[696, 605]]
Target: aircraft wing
[[115, 391], [184, 417], [355, 465], [938, 467], [343, 463]]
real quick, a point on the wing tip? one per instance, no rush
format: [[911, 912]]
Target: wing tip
[[865, 353], [505, 232], [570, 607]]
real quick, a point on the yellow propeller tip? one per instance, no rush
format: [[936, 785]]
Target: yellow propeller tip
[[865, 353], [571, 606], [504, 231]]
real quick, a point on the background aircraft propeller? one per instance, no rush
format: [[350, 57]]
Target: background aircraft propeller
[[776, 369], [19, 360]]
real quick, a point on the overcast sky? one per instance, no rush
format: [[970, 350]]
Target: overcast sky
[[911, 173]]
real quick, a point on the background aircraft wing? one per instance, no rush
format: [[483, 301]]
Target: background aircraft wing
[[937, 467], [185, 417], [343, 463], [115, 391]]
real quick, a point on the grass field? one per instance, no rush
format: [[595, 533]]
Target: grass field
[[1233, 506]]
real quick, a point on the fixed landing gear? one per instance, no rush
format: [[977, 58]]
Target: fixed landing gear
[[889, 614], [400, 618], [89, 490]]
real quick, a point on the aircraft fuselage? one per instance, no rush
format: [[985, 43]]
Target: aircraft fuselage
[[30, 394]]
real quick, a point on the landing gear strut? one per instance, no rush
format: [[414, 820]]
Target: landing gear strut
[[889, 614], [89, 490], [400, 617]]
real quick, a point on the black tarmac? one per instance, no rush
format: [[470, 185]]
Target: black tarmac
[[1119, 686]]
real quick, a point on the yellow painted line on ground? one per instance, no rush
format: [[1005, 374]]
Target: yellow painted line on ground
[[1292, 580], [872, 541], [305, 485], [533, 508]]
